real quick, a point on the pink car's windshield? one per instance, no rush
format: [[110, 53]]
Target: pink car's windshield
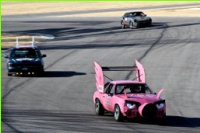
[[132, 88]]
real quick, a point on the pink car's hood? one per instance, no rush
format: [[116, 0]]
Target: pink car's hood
[[141, 98]]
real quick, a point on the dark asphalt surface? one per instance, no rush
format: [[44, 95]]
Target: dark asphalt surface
[[61, 100]]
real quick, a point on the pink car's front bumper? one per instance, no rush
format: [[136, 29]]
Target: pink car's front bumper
[[134, 113]]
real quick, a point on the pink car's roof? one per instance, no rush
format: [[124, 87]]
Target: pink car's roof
[[126, 82]]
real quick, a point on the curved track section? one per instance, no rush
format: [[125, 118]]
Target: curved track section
[[61, 100]]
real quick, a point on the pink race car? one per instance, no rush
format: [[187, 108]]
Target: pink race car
[[127, 98]]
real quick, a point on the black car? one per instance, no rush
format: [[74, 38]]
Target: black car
[[25, 60], [135, 20]]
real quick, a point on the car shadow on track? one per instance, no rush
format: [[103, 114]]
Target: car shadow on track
[[179, 121], [61, 74], [171, 121]]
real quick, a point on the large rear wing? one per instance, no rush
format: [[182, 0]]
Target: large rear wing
[[138, 68], [99, 77]]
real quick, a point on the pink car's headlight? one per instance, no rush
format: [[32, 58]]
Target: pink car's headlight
[[131, 105], [160, 105]]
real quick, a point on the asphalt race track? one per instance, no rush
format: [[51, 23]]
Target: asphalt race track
[[61, 100]]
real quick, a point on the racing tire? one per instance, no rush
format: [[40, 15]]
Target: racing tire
[[150, 24], [123, 25], [161, 121], [117, 113], [40, 72], [131, 26], [136, 25], [9, 74], [99, 110]]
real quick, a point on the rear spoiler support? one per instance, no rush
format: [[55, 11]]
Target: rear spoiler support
[[140, 74]]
